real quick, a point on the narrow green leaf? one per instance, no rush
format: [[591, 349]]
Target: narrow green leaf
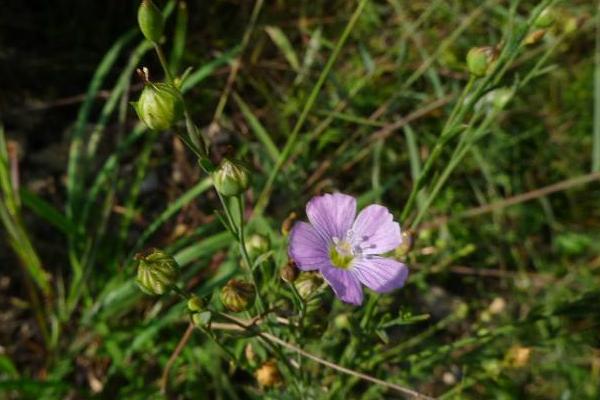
[[207, 69], [258, 129], [47, 211], [281, 41], [205, 247], [8, 367], [173, 207], [179, 37]]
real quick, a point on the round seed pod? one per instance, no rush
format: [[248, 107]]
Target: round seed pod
[[289, 272], [202, 319], [546, 18], [481, 59], [195, 304], [231, 178], [268, 375], [238, 295], [307, 283], [257, 245], [157, 272], [160, 106]]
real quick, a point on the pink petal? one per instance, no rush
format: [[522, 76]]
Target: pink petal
[[380, 274], [308, 250], [345, 285], [332, 214], [375, 230]]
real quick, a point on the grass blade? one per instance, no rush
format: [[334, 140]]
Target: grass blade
[[258, 129], [284, 45], [207, 69], [47, 211], [175, 206], [263, 199], [596, 146], [179, 37]]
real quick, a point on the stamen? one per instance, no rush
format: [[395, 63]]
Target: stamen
[[342, 252]]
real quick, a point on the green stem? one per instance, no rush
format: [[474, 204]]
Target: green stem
[[459, 152], [263, 336], [163, 62], [181, 292], [448, 133], [242, 241], [263, 199], [230, 220]]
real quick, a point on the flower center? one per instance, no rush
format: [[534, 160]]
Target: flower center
[[341, 253]]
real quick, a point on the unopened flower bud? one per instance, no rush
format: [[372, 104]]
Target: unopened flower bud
[[238, 295], [231, 178], [195, 304], [157, 272], [289, 272], [288, 223], [534, 37], [202, 319], [569, 24], [257, 245], [342, 321], [307, 283], [268, 375], [495, 100], [546, 18], [461, 310], [481, 59], [501, 97], [160, 106], [150, 20], [408, 241]]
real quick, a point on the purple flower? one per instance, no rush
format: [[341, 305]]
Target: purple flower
[[347, 248]]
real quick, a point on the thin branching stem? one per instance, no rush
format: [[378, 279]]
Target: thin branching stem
[[238, 324]]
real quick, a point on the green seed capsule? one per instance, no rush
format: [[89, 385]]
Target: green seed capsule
[[150, 21], [157, 272], [257, 245], [546, 18], [481, 59], [160, 106], [289, 272], [202, 319], [307, 283], [501, 97], [238, 295], [231, 178], [195, 304]]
